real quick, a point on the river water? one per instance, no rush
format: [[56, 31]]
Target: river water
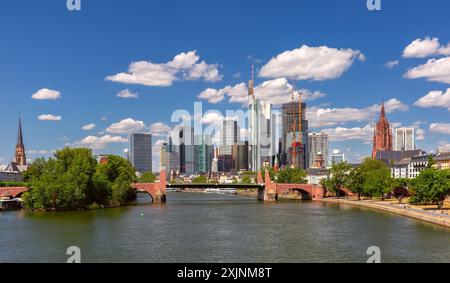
[[221, 228]]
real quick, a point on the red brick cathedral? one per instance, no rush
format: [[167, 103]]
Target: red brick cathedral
[[382, 137]]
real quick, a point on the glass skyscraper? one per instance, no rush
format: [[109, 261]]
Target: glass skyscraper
[[141, 152]]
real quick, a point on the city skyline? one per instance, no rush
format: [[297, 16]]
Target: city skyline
[[98, 103]]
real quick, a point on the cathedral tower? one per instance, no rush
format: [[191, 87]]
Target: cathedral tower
[[382, 138], [20, 148]]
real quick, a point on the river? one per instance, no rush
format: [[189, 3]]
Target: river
[[221, 228]]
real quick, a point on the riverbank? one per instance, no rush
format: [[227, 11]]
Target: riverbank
[[396, 208]]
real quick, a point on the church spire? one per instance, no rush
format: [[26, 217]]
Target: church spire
[[19, 134], [383, 111], [20, 148]]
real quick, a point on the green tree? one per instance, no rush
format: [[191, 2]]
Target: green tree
[[291, 176], [378, 182], [431, 187], [339, 177], [246, 180], [74, 180], [200, 180], [147, 177], [355, 181], [430, 162]]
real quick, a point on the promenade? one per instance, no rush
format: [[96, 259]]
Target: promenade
[[404, 209]]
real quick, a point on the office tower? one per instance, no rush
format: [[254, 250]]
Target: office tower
[[186, 149], [318, 144], [294, 147], [404, 139], [240, 157], [230, 135], [259, 129], [141, 152], [20, 156], [162, 153], [203, 154], [337, 157], [172, 161], [382, 136]]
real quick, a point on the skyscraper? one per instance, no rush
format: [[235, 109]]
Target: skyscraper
[[260, 114], [186, 146], [141, 152], [240, 157], [20, 156], [294, 147], [404, 139], [230, 136], [318, 145], [203, 150], [382, 137]]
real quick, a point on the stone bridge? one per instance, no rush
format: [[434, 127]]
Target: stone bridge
[[267, 190], [15, 192]]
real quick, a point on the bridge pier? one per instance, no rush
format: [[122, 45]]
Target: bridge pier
[[270, 191]]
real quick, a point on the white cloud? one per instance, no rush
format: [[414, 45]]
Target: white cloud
[[277, 91], [49, 117], [422, 48], [160, 129], [40, 152], [127, 94], [88, 127], [100, 142], [440, 128], [308, 95], [126, 126], [435, 99], [212, 118], [435, 70], [183, 66], [391, 64], [326, 117], [46, 94], [345, 134], [311, 63]]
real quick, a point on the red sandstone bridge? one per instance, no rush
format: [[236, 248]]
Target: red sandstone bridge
[[15, 192], [267, 190]]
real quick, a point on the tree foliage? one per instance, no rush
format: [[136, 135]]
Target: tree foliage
[[290, 176], [147, 177], [73, 180], [431, 187]]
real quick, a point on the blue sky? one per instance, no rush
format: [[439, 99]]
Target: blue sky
[[81, 59]]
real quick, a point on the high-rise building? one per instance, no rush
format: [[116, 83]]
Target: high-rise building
[[337, 157], [382, 137], [163, 155], [172, 161], [186, 149], [141, 152], [203, 154], [20, 156], [404, 139], [260, 133], [318, 144], [240, 157], [230, 135], [295, 140]]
